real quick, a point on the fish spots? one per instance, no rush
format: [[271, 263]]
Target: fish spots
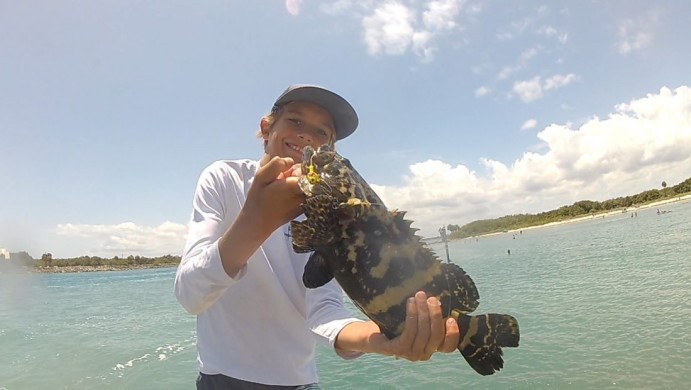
[[357, 242]]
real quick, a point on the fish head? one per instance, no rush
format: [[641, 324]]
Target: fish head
[[325, 172]]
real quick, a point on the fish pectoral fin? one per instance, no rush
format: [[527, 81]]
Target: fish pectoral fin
[[317, 271], [302, 237], [318, 205], [317, 230]]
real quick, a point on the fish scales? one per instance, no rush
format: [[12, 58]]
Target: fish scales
[[379, 261]]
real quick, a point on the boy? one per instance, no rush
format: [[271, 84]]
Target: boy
[[257, 324]]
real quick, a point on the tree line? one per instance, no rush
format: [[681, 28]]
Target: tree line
[[47, 260], [578, 209], [115, 262]]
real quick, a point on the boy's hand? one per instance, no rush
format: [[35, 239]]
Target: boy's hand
[[425, 331], [274, 195]]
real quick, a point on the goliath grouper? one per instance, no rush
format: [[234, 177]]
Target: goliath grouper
[[379, 262]]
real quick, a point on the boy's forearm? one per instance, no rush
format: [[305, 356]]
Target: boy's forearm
[[240, 241], [362, 337]]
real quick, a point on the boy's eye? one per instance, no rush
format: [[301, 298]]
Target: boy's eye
[[296, 122]]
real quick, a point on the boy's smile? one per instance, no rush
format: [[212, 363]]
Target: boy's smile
[[298, 125]]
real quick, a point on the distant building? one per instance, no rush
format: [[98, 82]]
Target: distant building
[[4, 254]]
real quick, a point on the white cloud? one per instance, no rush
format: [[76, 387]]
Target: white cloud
[[440, 15], [482, 91], [529, 124], [636, 147], [129, 238], [393, 27], [293, 7], [550, 31], [635, 35], [533, 89], [528, 90], [389, 29], [507, 71], [558, 81], [521, 64], [529, 53]]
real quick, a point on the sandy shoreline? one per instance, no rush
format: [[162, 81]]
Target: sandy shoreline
[[628, 210], [97, 268]]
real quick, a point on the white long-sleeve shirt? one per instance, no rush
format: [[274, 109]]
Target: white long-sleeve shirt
[[262, 325]]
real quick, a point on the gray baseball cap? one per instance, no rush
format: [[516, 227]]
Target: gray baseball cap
[[344, 115]]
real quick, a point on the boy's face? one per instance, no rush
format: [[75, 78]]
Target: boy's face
[[299, 124]]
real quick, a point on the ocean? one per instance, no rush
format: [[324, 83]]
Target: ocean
[[602, 304]]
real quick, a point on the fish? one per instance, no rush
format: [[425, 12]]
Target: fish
[[379, 261]]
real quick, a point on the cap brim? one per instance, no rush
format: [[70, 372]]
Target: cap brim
[[344, 116]]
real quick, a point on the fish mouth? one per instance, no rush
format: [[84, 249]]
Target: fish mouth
[[307, 153], [314, 164]]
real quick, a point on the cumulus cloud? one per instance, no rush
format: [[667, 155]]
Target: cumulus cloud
[[130, 238], [389, 29], [440, 15], [637, 146], [528, 90], [635, 34], [393, 27], [533, 89]]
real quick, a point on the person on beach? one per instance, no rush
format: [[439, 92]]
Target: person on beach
[[257, 325]]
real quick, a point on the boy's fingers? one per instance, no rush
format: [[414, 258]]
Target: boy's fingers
[[422, 337], [452, 337], [275, 167], [436, 327], [407, 338]]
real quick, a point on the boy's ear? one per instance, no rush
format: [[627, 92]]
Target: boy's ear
[[264, 127]]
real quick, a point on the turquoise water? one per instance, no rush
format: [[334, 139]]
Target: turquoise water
[[602, 304]]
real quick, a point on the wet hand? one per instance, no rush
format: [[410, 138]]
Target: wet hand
[[425, 330]]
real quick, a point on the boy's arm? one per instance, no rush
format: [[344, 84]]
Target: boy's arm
[[221, 241], [273, 199]]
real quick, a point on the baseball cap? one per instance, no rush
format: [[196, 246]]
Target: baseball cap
[[344, 115]]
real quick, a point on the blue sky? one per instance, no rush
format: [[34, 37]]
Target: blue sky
[[468, 109]]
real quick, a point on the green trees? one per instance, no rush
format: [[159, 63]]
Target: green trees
[[114, 262], [46, 259], [578, 209]]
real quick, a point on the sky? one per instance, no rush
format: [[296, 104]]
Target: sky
[[110, 110]]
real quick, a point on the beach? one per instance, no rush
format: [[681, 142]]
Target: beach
[[618, 212]]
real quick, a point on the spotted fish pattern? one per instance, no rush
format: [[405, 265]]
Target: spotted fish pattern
[[379, 261]]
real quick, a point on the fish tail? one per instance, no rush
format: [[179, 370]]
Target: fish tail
[[482, 339]]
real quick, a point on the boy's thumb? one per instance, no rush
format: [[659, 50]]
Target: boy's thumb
[[273, 168]]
